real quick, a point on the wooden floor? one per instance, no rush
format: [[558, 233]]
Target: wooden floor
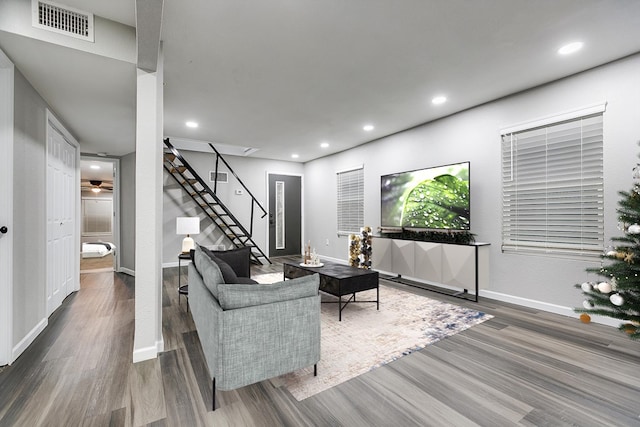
[[524, 367], [97, 263]]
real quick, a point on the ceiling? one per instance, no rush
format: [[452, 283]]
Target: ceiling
[[96, 170], [285, 76]]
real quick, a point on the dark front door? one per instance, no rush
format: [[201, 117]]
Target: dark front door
[[285, 215]]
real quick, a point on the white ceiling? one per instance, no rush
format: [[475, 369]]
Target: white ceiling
[[104, 173], [284, 76]]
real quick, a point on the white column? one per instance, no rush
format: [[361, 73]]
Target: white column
[[148, 341]]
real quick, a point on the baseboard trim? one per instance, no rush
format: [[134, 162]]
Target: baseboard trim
[[172, 264], [28, 339], [545, 306], [336, 260], [147, 353], [127, 271]]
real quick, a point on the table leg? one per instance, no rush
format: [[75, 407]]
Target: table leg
[[339, 302]]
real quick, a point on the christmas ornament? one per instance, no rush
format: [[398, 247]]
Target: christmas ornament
[[628, 257], [587, 304], [616, 299], [629, 328], [585, 318], [611, 253], [586, 287], [604, 287], [634, 229]]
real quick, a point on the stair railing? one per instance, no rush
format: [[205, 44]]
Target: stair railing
[[254, 201]]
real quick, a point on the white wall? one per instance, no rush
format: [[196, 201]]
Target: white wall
[[29, 213], [112, 39], [253, 172], [474, 135]]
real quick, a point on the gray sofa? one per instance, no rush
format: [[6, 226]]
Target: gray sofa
[[252, 332]]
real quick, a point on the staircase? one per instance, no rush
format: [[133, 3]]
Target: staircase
[[211, 205]]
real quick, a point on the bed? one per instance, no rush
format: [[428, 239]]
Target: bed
[[97, 249]]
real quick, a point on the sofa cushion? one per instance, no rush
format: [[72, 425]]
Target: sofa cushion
[[238, 259], [245, 281], [209, 270], [232, 296]]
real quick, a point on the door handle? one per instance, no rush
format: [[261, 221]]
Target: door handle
[[4, 229]]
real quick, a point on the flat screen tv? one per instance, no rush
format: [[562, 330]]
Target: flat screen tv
[[433, 198]]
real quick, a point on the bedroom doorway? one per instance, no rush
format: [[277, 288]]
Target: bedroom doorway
[[100, 214]]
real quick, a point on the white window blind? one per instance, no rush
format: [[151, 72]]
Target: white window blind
[[97, 216], [350, 200], [552, 188]]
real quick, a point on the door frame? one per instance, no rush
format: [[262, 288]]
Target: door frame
[[52, 121], [116, 201], [302, 228], [6, 209]]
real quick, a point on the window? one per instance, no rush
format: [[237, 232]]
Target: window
[[96, 216], [552, 186], [350, 200]]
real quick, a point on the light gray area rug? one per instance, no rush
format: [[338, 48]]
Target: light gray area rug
[[367, 338]]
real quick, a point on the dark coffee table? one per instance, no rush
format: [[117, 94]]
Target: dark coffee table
[[338, 280]]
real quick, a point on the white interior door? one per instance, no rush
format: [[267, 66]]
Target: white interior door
[[6, 209], [61, 208]]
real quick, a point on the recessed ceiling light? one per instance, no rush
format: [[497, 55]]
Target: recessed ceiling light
[[570, 48], [95, 167], [439, 100], [324, 145], [191, 124], [368, 127], [294, 156]]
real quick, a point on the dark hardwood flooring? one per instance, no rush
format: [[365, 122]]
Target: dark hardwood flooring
[[524, 367]]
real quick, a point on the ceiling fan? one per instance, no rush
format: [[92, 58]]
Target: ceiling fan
[[96, 185]]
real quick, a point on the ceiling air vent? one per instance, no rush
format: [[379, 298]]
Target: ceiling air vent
[[62, 19], [222, 177]]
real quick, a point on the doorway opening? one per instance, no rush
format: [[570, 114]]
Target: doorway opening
[[99, 213]]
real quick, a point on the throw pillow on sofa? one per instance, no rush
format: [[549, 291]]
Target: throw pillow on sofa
[[238, 259]]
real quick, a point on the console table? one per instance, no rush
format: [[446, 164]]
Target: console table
[[448, 268], [338, 280]]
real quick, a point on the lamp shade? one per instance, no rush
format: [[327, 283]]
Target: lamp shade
[[187, 225]]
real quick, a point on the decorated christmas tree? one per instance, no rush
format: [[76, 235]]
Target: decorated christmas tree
[[618, 294]]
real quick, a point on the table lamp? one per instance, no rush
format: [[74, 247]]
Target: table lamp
[[187, 225]]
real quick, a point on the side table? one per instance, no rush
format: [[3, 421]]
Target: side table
[[182, 289]]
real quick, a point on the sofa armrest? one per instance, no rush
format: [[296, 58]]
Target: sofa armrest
[[207, 316], [268, 340]]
